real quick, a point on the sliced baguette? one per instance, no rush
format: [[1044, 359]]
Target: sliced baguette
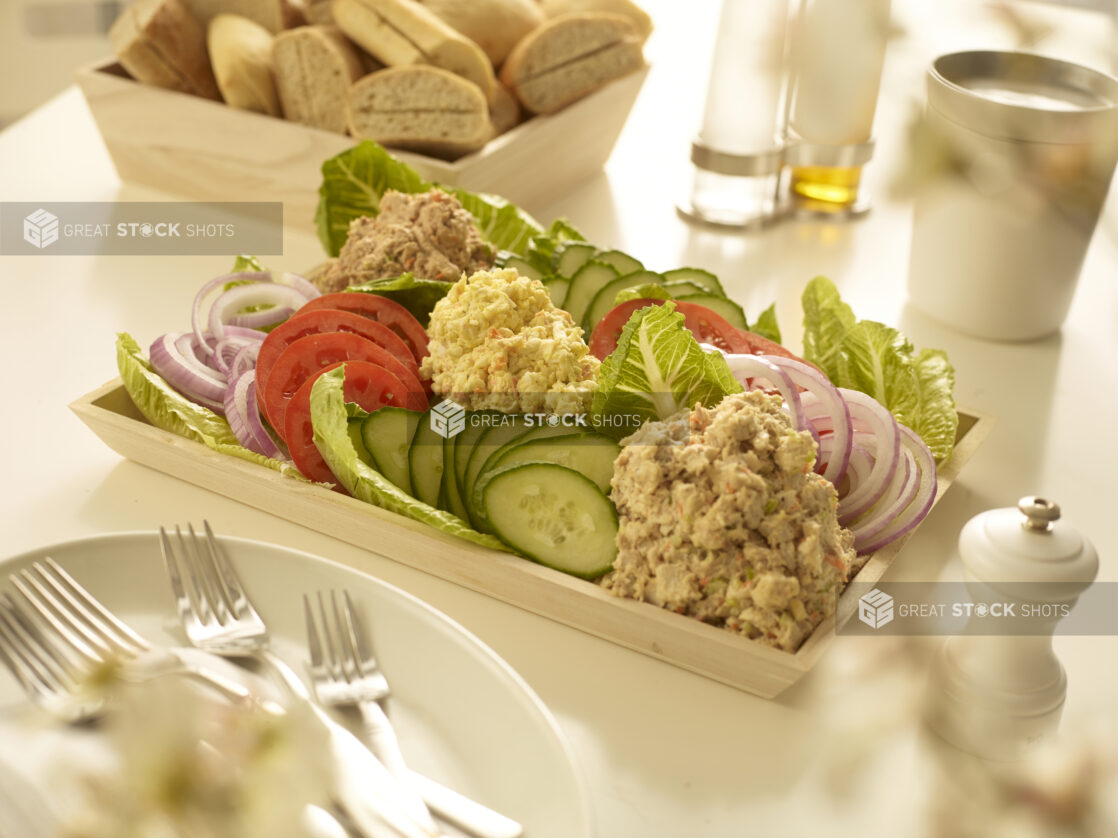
[[569, 57], [638, 16], [241, 54], [273, 15], [419, 107], [494, 25], [400, 32], [159, 42], [315, 66]]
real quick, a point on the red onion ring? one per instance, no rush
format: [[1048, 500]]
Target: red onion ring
[[830, 399], [281, 299], [204, 292], [749, 368], [925, 496], [243, 413], [867, 414], [182, 370]]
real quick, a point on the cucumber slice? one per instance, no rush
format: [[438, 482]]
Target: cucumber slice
[[603, 301], [492, 440], [505, 259], [572, 257], [387, 434], [720, 305], [425, 462], [704, 279], [477, 423], [353, 426], [679, 287], [554, 515], [590, 454], [453, 498], [586, 282], [524, 434], [624, 263], [557, 287]]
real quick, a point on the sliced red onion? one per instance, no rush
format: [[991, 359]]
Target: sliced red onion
[[243, 414], [281, 300], [303, 286], [898, 495], [260, 319], [822, 392], [754, 367], [917, 510], [244, 360], [867, 414], [218, 282], [183, 371]]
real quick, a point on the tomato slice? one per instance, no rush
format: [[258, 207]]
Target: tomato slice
[[378, 308], [321, 320], [758, 345], [310, 354], [707, 326], [369, 385]]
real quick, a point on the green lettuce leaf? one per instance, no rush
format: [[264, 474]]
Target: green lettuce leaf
[[658, 369], [330, 419], [877, 359], [354, 181], [649, 291], [168, 409], [244, 263], [766, 325], [542, 248], [416, 295]]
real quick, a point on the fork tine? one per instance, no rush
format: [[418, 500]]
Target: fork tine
[[174, 574], [348, 631], [40, 670], [239, 602], [47, 607], [334, 663], [205, 578], [111, 627], [360, 646], [314, 644]]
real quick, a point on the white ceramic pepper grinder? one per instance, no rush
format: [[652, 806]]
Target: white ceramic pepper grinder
[[998, 686]]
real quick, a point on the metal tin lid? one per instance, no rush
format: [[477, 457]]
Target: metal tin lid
[[1019, 96]]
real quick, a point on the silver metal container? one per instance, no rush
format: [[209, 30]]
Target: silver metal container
[[1025, 148]]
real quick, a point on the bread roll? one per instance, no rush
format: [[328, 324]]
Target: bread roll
[[159, 42], [504, 110], [273, 15], [494, 25], [569, 57], [419, 107], [241, 54], [626, 8], [401, 32], [315, 66]]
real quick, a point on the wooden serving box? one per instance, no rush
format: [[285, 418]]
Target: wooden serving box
[[207, 151], [682, 641]]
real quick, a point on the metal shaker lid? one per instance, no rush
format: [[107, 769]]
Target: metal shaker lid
[[1023, 97]]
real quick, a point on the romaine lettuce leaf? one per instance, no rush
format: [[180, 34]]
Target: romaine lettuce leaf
[[244, 263], [416, 295], [658, 369], [165, 408], [330, 419], [766, 325], [354, 181], [877, 359]]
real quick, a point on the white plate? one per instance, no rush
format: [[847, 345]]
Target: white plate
[[464, 717]]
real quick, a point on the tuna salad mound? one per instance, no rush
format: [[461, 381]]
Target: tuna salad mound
[[428, 235], [722, 519], [498, 343]]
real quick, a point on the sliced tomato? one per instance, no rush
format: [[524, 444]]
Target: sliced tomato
[[381, 309], [758, 345], [369, 385], [707, 326], [310, 354], [321, 320]]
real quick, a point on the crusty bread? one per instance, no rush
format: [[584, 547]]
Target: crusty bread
[[315, 66], [504, 109], [320, 12], [419, 107], [273, 15], [159, 42], [638, 16], [569, 57], [241, 54], [494, 25], [401, 32]]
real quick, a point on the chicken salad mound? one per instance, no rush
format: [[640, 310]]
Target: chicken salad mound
[[722, 518], [497, 342], [429, 235]]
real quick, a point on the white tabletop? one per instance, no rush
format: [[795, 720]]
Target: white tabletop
[[665, 753]]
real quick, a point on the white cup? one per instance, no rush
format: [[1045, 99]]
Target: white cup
[[1027, 147]]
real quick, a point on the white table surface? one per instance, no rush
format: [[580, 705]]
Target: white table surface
[[665, 753]]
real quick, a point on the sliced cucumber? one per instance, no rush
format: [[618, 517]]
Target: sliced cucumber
[[505, 259], [554, 515], [720, 305], [624, 263], [679, 287], [492, 440], [493, 446], [557, 287], [355, 436], [572, 257], [604, 300], [704, 279], [453, 497], [586, 282], [387, 434], [425, 462], [477, 423], [590, 454]]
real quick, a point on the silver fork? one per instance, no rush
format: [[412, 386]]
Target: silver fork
[[218, 617], [344, 672]]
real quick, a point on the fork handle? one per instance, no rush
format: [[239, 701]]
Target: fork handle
[[381, 739]]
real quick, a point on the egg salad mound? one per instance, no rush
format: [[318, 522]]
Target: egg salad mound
[[497, 342]]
